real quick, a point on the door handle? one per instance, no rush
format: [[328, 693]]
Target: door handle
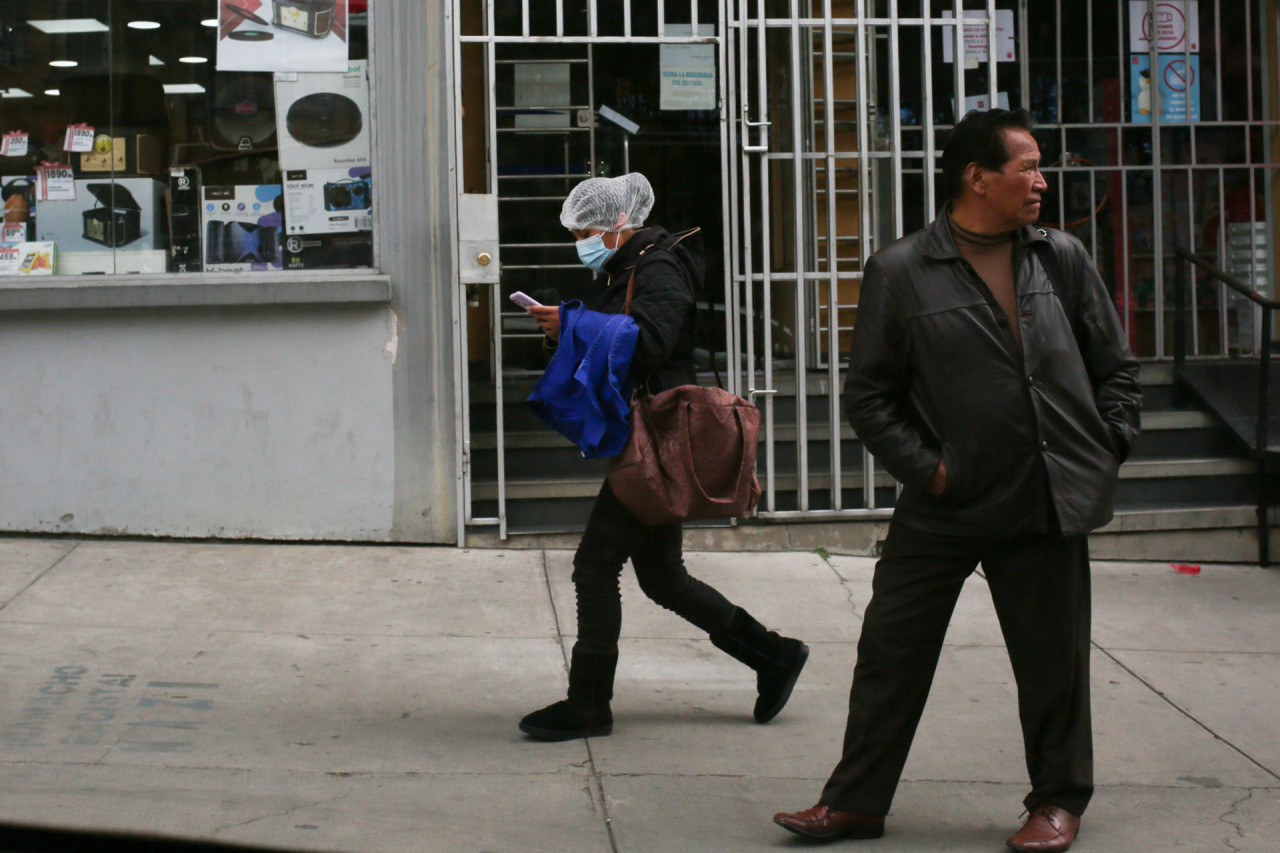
[[747, 147]]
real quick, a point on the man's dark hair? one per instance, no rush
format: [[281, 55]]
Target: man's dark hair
[[978, 138]]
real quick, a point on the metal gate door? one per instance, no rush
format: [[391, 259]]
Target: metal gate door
[[833, 160], [533, 122]]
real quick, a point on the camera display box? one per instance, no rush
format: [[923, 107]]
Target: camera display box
[[242, 226], [28, 259], [126, 214], [328, 201], [184, 220]]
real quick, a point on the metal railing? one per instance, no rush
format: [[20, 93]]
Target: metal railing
[[1262, 427]]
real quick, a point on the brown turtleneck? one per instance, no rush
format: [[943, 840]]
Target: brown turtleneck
[[991, 256]]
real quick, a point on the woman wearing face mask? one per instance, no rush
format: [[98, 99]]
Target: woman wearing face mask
[[606, 218]]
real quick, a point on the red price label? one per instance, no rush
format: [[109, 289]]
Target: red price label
[[79, 138]]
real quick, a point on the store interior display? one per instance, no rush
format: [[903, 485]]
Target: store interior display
[[168, 126], [242, 116]]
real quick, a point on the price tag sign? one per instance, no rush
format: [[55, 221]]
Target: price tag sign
[[55, 182], [79, 138], [14, 144], [14, 232]]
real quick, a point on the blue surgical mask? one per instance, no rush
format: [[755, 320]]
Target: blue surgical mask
[[594, 253]]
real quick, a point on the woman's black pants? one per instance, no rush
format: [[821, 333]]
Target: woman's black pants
[[613, 536], [1040, 587]]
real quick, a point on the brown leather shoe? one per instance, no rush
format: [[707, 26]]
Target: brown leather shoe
[[821, 823], [1049, 829]]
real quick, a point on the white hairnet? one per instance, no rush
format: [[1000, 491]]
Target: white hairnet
[[608, 203]]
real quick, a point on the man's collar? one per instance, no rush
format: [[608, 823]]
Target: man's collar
[[939, 243]]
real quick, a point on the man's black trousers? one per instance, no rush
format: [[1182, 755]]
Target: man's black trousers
[[1040, 587]]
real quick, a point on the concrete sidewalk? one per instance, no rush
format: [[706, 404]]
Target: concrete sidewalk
[[365, 698]]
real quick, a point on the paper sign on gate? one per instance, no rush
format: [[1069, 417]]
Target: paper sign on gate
[[1176, 26], [975, 38]]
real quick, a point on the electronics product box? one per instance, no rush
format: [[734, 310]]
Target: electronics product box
[[322, 118], [28, 259], [130, 153], [127, 215], [328, 201], [328, 251], [241, 227], [184, 220], [19, 196]]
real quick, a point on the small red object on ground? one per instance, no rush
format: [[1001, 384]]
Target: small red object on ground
[[1187, 568]]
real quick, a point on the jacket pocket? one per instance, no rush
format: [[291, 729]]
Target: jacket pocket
[[955, 489]]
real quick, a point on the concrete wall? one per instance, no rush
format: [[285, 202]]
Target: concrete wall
[[271, 421]]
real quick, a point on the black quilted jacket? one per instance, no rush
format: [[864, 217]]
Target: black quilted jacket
[[662, 304], [935, 373]]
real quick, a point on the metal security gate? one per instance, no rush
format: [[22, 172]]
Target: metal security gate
[[1157, 125]]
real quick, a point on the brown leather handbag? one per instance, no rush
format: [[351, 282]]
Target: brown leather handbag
[[691, 455]]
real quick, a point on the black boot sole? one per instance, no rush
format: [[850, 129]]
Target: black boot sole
[[776, 708], [561, 734]]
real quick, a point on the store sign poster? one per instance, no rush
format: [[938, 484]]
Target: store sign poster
[[282, 35], [1175, 82], [1175, 26], [976, 42], [688, 71]]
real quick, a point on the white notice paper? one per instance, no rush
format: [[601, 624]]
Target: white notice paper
[[688, 71]]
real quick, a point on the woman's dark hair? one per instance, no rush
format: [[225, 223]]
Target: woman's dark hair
[[978, 138]]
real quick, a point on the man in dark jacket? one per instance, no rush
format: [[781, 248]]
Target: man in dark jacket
[[990, 375]]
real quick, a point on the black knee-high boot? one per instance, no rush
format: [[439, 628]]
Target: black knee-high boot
[[586, 712], [777, 660]]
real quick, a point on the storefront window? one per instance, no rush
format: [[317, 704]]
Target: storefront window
[[148, 136]]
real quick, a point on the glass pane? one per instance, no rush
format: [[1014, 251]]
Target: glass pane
[[181, 161]]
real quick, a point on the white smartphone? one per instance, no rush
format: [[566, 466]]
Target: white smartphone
[[523, 300]]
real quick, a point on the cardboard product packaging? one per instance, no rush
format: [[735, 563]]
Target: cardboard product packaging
[[108, 262], [328, 251], [328, 201], [28, 259], [242, 227], [184, 220], [125, 214], [322, 118], [130, 153], [18, 194]]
